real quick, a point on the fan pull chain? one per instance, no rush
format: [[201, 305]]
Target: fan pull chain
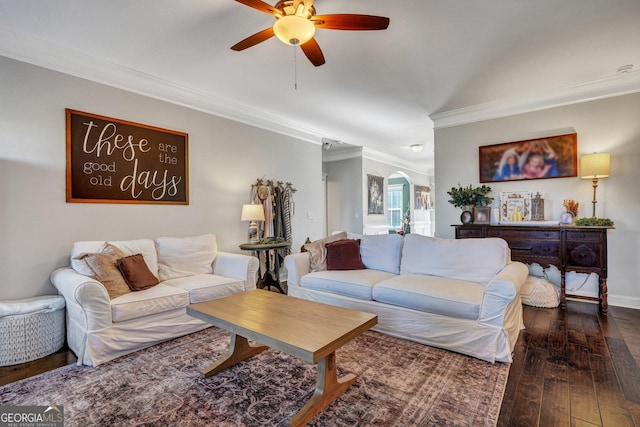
[[295, 68]]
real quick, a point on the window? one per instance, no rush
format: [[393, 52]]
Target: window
[[395, 205]]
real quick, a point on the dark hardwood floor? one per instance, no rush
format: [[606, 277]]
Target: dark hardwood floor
[[571, 368], [575, 368]]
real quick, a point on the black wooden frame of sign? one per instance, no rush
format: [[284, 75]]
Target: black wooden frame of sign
[[117, 161]]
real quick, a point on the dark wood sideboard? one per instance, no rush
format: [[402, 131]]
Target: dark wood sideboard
[[570, 248]]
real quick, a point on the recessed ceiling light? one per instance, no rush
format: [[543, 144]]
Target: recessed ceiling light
[[625, 68]]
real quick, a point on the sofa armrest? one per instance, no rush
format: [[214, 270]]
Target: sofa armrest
[[297, 265], [86, 298], [238, 266], [501, 291], [88, 309]]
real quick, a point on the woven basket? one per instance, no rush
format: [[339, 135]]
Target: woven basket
[[31, 336]]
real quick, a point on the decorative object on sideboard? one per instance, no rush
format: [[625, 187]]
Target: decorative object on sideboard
[[594, 222], [482, 215], [515, 206], [252, 212], [566, 218], [468, 198], [537, 208], [571, 211], [595, 166]]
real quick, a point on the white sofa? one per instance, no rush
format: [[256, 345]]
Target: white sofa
[[190, 270], [461, 295]]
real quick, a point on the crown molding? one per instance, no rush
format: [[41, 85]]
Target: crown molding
[[53, 56], [378, 156], [46, 54], [341, 154], [616, 85], [381, 157]]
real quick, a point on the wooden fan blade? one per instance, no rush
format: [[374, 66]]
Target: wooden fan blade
[[350, 22], [313, 52], [261, 6], [254, 39]]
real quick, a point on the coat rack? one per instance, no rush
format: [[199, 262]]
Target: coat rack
[[276, 198]]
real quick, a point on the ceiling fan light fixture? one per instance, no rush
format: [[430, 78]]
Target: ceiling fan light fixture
[[294, 30]]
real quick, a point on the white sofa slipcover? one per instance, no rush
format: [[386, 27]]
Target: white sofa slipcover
[[190, 270], [461, 295]]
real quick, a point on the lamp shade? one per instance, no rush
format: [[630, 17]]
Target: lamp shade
[[252, 212], [294, 30], [596, 165]]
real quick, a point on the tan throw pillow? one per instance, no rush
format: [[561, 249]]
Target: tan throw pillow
[[344, 255], [103, 265], [136, 272], [318, 253]]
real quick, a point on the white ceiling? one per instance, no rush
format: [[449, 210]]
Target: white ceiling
[[453, 61]]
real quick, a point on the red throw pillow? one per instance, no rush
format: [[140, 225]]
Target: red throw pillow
[[136, 273], [344, 255]]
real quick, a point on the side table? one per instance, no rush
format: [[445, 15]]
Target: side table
[[265, 280]]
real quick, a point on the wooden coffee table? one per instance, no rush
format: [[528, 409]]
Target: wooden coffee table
[[308, 330]]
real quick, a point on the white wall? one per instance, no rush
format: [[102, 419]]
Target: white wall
[[607, 125], [37, 226], [344, 204]]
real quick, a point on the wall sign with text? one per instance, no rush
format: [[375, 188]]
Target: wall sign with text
[[116, 161]]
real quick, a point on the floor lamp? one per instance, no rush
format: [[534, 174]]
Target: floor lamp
[[595, 166]]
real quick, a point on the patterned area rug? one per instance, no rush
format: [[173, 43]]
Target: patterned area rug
[[400, 383]]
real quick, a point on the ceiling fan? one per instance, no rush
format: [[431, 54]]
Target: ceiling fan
[[296, 23]]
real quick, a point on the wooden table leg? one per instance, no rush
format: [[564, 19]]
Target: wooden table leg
[[239, 350], [604, 303], [328, 388]]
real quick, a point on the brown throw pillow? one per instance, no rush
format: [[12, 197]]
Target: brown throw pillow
[[344, 255], [136, 272], [103, 265], [318, 253]]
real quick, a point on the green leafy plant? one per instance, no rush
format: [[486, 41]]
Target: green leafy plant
[[594, 221], [271, 240], [467, 196]]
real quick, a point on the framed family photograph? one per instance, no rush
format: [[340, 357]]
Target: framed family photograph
[[542, 158]]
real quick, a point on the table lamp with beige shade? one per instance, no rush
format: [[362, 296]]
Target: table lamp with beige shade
[[595, 166], [252, 212]]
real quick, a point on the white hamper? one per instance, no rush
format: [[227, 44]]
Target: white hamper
[[31, 328]]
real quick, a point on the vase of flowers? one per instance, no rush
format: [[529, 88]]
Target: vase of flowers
[[469, 197]]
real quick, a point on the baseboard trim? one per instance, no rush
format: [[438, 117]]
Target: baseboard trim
[[624, 301]]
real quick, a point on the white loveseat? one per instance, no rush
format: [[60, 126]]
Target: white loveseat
[[190, 270], [461, 295]]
